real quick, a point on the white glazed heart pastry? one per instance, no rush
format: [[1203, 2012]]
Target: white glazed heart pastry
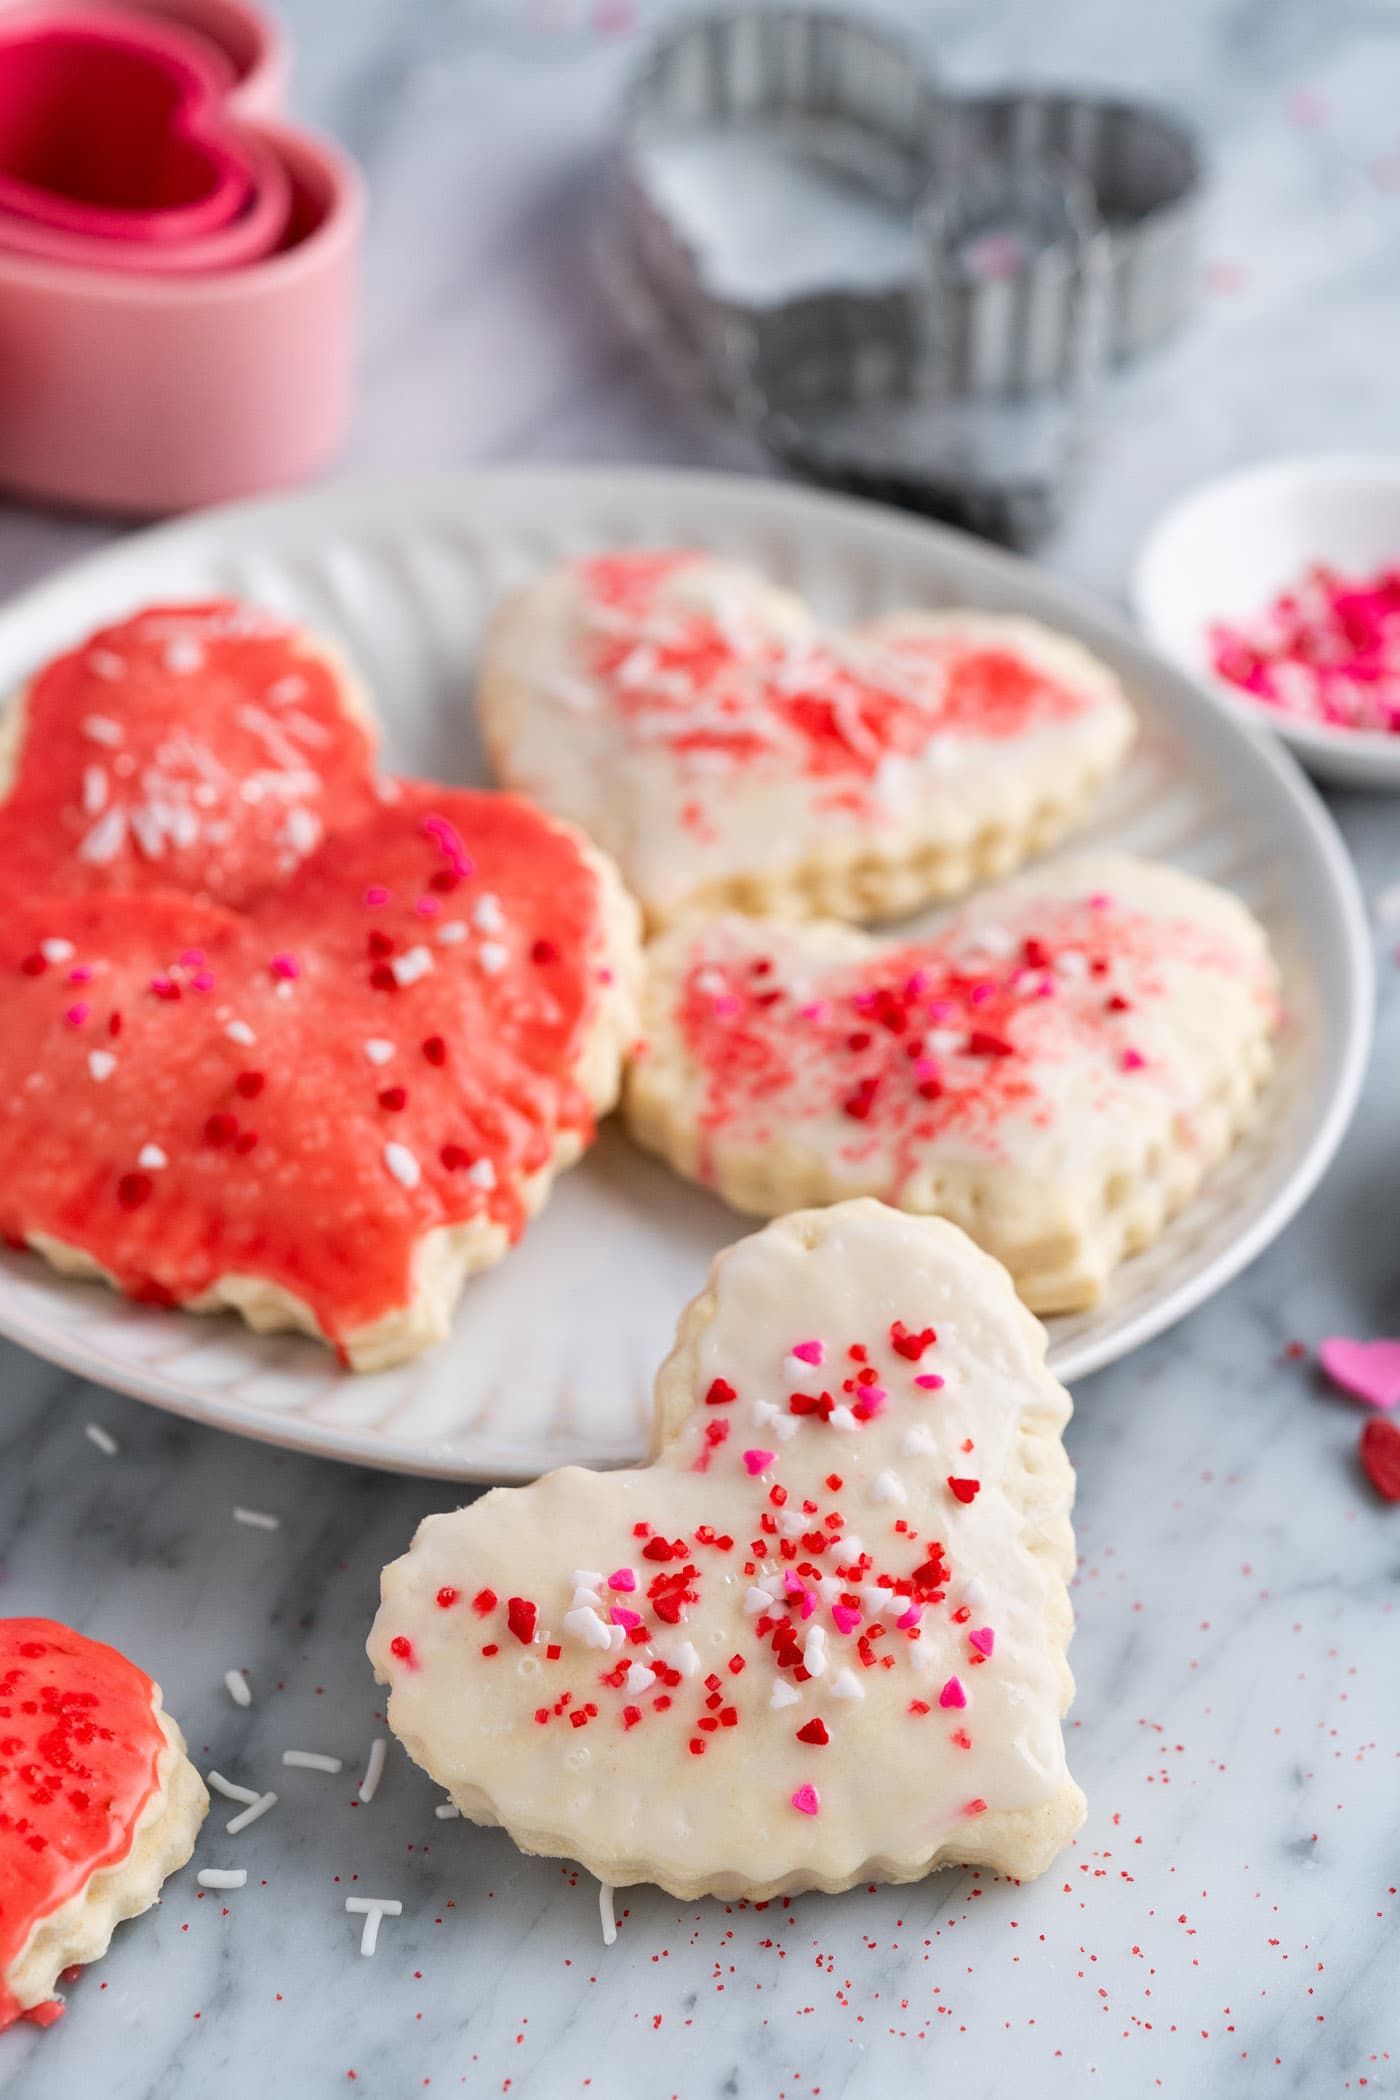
[[1056, 1070], [98, 1804], [729, 753], [821, 1638]]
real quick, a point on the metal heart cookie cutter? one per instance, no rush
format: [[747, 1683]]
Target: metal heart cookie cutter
[[921, 291]]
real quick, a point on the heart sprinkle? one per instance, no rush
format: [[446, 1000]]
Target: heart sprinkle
[[1368, 1371], [1380, 1455], [806, 1801]]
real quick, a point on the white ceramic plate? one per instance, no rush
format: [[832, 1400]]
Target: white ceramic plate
[[552, 1354], [1226, 550]]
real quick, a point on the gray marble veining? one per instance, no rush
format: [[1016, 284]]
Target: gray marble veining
[[1225, 1925]]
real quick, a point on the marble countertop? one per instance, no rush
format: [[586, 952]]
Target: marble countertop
[[1225, 1923]]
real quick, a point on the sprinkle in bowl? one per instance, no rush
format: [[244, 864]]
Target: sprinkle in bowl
[[1279, 588]]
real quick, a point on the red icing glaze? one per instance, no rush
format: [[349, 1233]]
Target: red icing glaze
[[79, 1760], [934, 1039], [838, 707], [274, 1151], [192, 747]]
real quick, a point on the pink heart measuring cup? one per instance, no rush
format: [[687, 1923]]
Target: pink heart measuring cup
[[116, 151], [169, 365]]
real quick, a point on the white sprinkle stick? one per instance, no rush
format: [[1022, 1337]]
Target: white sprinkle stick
[[238, 1688], [374, 1769], [230, 1790], [372, 1909], [402, 1164], [257, 1519], [312, 1761], [447, 1811], [103, 1438], [250, 1814], [605, 1912], [222, 1877]]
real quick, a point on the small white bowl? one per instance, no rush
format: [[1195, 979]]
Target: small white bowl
[[1226, 551]]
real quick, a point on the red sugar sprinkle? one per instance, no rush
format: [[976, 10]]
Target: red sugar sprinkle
[[520, 1618], [393, 1097], [906, 1343], [977, 1807], [133, 1190], [965, 1490], [720, 1394], [814, 1731], [402, 1647], [250, 1084], [447, 1597], [454, 1157], [491, 1649], [435, 1050], [220, 1129], [543, 951]]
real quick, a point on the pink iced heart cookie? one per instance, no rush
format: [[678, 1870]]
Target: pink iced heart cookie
[[729, 752], [820, 1638], [1369, 1371], [98, 1804], [281, 1035], [1056, 1069]]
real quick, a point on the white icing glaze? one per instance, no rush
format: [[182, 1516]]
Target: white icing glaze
[[695, 790], [1058, 1159], [895, 1785]]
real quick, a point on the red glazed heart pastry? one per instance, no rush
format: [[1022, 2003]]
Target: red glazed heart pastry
[[199, 747], [98, 1804], [1056, 1069], [821, 1638], [729, 752], [329, 1107]]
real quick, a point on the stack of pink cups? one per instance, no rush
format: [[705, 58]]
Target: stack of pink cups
[[177, 262]]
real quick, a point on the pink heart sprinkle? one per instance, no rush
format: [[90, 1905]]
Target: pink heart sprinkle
[[622, 1579], [81, 973], [722, 1008], [620, 1615], [910, 1618], [805, 1801], [808, 1605], [757, 1460], [1133, 1060], [931, 1382], [77, 1013], [982, 1639], [793, 1584], [376, 894], [810, 1352], [952, 1694], [285, 968], [872, 1399], [846, 1618], [1369, 1371]]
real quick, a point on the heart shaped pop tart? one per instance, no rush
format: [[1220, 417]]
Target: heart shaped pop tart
[[207, 748], [821, 1638], [324, 1109], [701, 726], [98, 1804], [1056, 1069]]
